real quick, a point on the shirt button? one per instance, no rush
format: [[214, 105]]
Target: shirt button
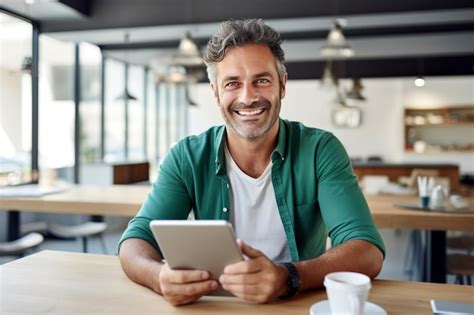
[[227, 186], [282, 158], [225, 209]]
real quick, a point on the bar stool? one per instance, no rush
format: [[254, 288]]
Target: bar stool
[[461, 263], [461, 266], [21, 245], [82, 231]]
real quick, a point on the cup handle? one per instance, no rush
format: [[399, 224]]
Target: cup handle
[[356, 305]]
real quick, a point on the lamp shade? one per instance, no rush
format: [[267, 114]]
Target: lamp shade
[[188, 53], [336, 44], [126, 96], [356, 92], [328, 81]]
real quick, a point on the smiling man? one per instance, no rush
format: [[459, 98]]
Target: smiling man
[[285, 187]]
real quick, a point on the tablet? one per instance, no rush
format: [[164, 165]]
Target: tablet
[[202, 244], [451, 307]]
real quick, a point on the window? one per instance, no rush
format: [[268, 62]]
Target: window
[[136, 87], [56, 109], [114, 110], [15, 100], [90, 67]]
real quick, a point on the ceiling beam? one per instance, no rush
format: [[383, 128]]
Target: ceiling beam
[[379, 68], [81, 6], [125, 13], [350, 33]]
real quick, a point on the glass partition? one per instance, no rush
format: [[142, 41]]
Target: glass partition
[[90, 67], [136, 88], [56, 109], [15, 100], [114, 110]]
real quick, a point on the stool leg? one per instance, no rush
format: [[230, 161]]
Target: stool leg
[[84, 244], [102, 243]]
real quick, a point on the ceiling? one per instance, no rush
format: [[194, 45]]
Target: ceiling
[[389, 38]]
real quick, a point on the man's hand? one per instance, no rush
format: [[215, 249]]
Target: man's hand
[[184, 286], [257, 279]]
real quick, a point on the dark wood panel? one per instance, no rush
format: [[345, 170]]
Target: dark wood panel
[[129, 173]]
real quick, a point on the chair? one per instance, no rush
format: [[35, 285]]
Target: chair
[[461, 263], [21, 245], [82, 231], [461, 266]]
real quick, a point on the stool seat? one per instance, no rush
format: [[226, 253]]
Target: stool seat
[[26, 242], [39, 227], [80, 230], [460, 264]]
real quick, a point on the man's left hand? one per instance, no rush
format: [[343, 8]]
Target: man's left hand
[[256, 279]]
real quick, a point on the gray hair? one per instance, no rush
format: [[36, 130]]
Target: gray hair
[[234, 33]]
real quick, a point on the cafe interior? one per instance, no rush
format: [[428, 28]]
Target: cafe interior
[[94, 93]]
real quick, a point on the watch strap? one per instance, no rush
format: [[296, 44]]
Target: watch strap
[[293, 280]]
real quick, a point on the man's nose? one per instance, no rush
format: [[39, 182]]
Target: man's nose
[[249, 94]]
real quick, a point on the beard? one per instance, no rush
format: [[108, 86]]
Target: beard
[[252, 129]]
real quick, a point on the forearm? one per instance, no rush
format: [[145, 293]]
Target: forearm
[[356, 255], [141, 263]]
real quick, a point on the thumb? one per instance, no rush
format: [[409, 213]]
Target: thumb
[[248, 250]]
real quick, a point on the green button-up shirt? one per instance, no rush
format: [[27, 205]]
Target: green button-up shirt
[[315, 189]]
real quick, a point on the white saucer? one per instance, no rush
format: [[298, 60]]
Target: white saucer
[[322, 308]]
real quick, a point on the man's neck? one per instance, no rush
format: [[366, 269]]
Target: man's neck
[[253, 156]]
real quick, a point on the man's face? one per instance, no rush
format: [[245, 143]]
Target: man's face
[[248, 90]]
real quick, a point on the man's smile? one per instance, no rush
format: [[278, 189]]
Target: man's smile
[[250, 112]]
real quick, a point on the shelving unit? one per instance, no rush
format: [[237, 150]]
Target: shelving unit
[[435, 130]]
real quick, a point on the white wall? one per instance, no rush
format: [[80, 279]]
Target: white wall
[[381, 132]]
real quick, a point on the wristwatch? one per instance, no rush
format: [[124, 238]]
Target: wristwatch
[[293, 280]]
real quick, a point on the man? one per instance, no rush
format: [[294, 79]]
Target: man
[[284, 186]]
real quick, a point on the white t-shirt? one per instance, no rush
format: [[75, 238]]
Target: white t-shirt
[[254, 211]]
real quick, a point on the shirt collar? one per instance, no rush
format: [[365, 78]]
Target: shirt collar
[[278, 154]]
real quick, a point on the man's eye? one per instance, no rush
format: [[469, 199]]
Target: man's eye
[[263, 81], [231, 84]]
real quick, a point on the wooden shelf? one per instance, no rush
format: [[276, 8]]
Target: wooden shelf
[[416, 120], [444, 124]]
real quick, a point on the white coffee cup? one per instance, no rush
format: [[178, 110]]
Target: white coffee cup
[[347, 292]]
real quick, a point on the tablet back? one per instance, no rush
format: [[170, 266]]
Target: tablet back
[[203, 244]]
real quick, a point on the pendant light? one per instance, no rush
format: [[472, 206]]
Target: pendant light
[[328, 80], [336, 46], [126, 96], [355, 93], [188, 53], [419, 80]]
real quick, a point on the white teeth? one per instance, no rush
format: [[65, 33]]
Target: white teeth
[[251, 112]]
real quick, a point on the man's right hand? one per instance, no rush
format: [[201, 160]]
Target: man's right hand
[[184, 286]]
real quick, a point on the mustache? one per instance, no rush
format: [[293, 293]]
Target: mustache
[[254, 105]]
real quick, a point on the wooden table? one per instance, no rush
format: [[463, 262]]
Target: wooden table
[[116, 200], [434, 224], [126, 200], [53, 282]]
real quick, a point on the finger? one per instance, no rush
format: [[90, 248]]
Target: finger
[[247, 279], [248, 250], [186, 276], [191, 290], [246, 292], [242, 267]]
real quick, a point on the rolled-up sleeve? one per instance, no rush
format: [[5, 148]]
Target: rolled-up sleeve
[[168, 200], [343, 206]]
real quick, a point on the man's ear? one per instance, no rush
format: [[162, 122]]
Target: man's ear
[[215, 92], [283, 85]]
